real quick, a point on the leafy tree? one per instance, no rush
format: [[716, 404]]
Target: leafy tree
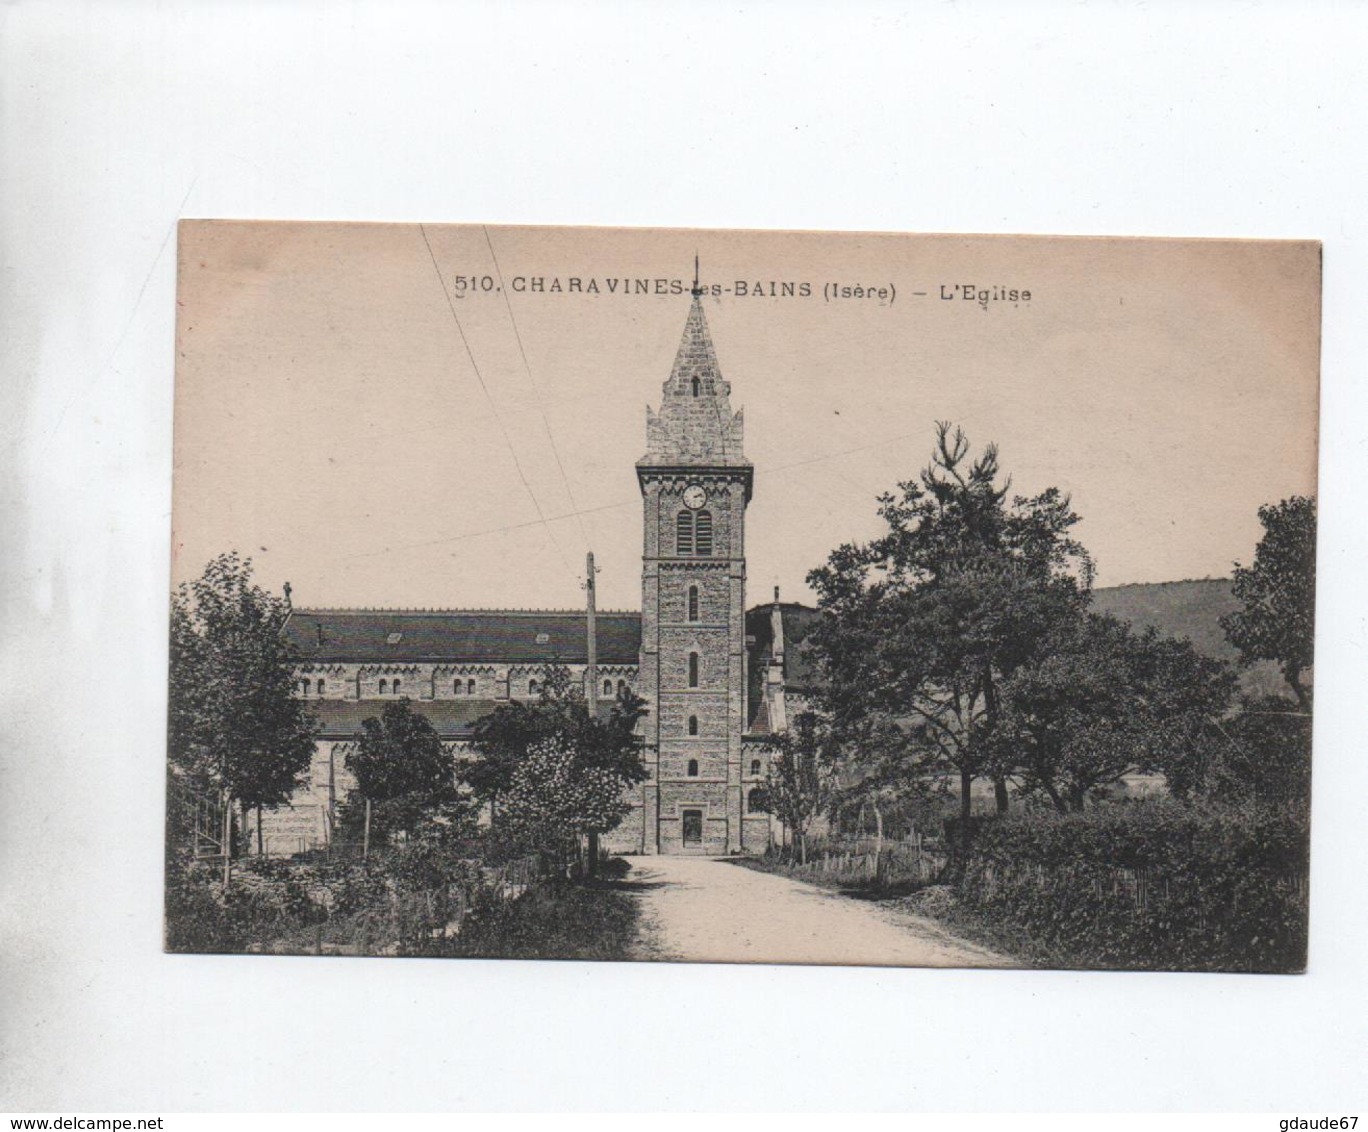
[[923, 624], [1264, 759], [405, 772], [801, 783], [554, 799], [528, 752], [1278, 594], [234, 725], [1102, 701], [1271, 757], [505, 736], [883, 780]]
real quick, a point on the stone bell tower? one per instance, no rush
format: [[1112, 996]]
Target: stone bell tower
[[695, 485]]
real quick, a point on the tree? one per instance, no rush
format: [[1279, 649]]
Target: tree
[[234, 725], [553, 769], [554, 799], [404, 772], [801, 783], [1102, 701], [1267, 758], [923, 624], [503, 738], [1277, 594]]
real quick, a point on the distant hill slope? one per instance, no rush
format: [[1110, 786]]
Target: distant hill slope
[[1190, 609]]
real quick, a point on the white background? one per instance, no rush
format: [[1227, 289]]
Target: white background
[[1212, 119]]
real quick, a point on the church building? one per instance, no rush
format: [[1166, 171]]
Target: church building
[[717, 679]]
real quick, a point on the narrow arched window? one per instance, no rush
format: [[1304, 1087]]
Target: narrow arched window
[[456, 686], [693, 725], [532, 688], [622, 686], [304, 687], [703, 533], [396, 687], [693, 603], [320, 687], [696, 385], [684, 533], [693, 768], [470, 686], [693, 670], [755, 766], [384, 686], [607, 687]]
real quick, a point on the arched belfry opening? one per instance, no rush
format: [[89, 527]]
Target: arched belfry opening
[[696, 485]]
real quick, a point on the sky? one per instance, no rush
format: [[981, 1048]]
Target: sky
[[365, 428]]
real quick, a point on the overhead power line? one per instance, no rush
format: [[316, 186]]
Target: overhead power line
[[494, 409], [536, 392]]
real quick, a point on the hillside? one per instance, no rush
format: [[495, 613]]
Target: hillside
[[1190, 609]]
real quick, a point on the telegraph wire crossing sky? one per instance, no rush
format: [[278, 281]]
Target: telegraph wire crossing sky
[[353, 398]]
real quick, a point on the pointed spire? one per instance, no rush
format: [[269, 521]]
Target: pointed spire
[[695, 424], [695, 372]]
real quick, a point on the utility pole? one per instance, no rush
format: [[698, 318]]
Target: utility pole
[[591, 668]]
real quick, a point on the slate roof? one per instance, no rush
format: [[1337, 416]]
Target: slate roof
[[801, 674], [452, 719], [800, 671], [474, 636]]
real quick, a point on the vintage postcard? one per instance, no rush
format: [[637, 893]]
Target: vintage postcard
[[742, 596]]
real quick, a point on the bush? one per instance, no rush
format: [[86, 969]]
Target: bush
[[196, 918], [614, 868], [266, 900], [551, 921], [1151, 885], [425, 896]]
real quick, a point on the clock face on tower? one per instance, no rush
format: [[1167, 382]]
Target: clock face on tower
[[694, 497]]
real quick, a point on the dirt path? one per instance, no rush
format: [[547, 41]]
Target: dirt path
[[710, 911]]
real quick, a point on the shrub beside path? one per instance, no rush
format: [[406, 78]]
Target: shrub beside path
[[709, 911]]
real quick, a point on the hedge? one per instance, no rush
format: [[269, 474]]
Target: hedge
[[1149, 885]]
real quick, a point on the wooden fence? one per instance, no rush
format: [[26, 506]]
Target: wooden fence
[[866, 862]]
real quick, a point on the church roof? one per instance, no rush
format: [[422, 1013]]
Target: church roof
[[472, 636], [695, 425], [801, 673], [452, 719], [760, 720], [696, 358]]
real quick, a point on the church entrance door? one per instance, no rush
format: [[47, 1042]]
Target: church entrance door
[[693, 827]]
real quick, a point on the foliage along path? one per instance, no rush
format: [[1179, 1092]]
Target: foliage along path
[[709, 911]]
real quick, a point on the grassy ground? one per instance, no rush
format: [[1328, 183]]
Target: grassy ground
[[563, 921], [551, 920], [937, 902], [1078, 929]]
